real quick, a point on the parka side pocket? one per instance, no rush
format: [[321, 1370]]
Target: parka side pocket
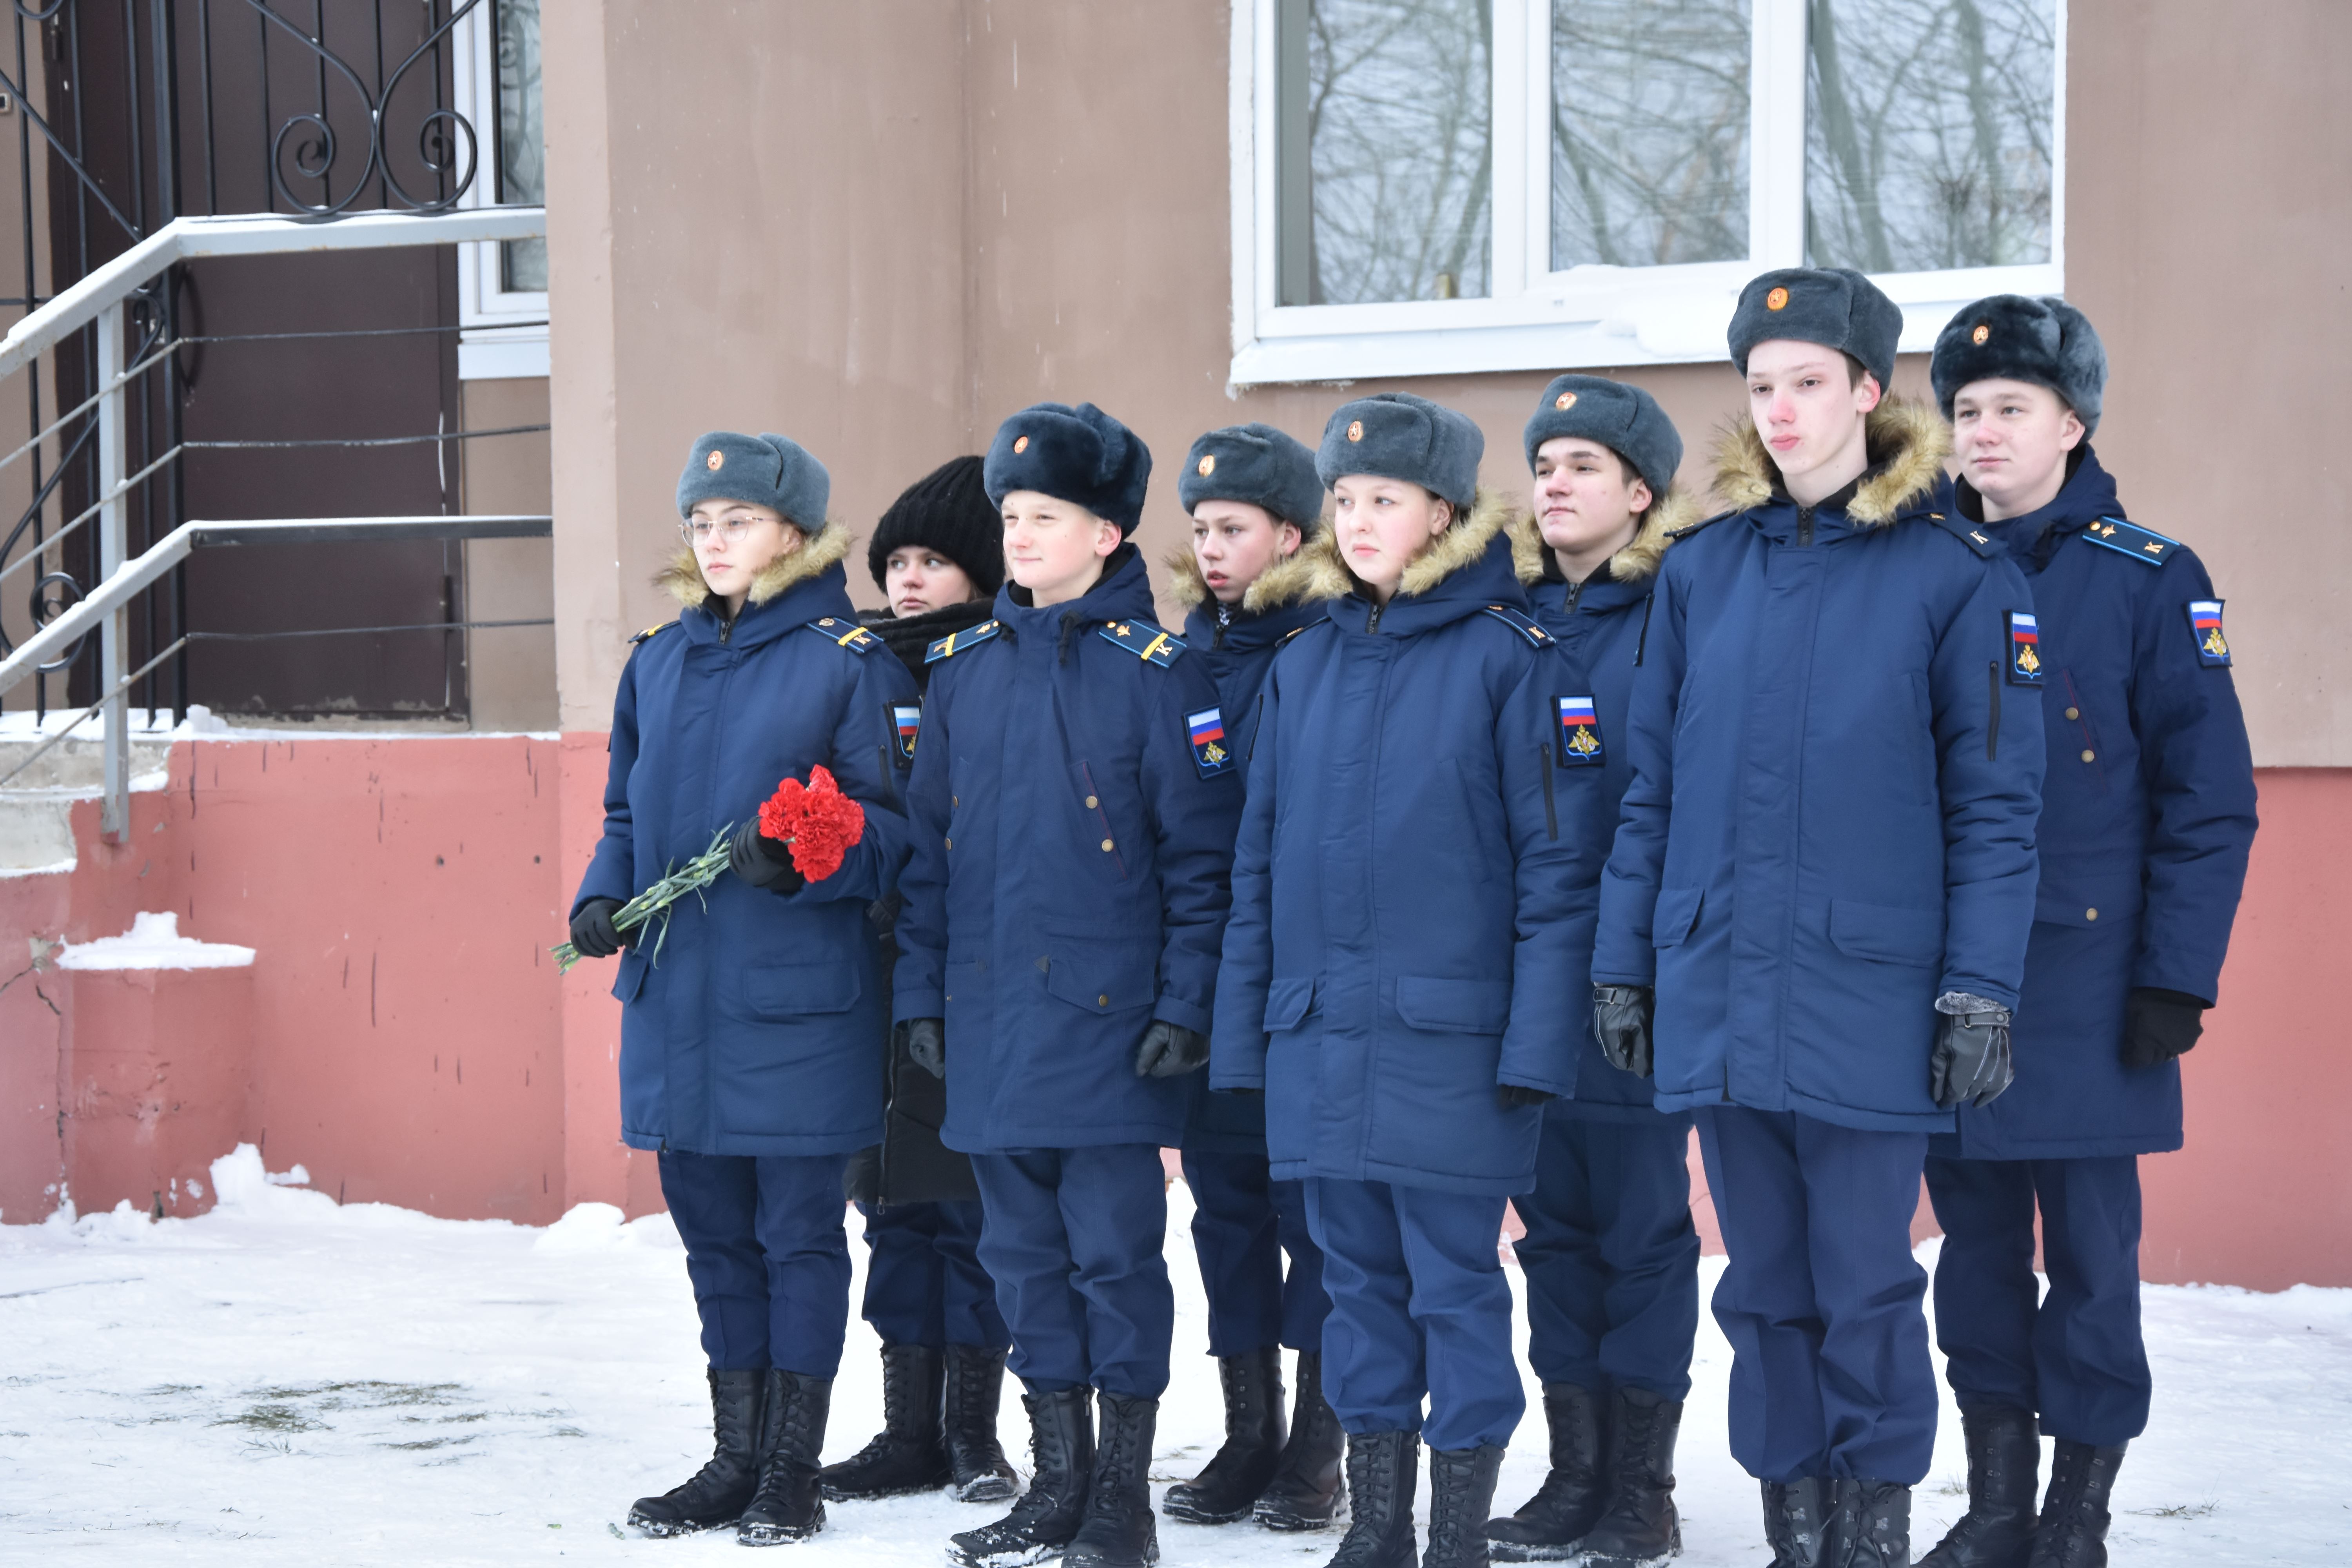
[[1287, 1002], [1454, 1006], [632, 977], [1676, 915]]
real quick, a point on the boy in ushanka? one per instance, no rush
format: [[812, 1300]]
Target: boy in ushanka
[[1074, 814]]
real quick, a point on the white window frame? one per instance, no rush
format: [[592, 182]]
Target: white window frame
[[1586, 317], [490, 345]]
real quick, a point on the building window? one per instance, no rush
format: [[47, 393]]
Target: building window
[[1424, 186], [502, 285]]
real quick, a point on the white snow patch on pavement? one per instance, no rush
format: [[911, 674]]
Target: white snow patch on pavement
[[284, 1382]]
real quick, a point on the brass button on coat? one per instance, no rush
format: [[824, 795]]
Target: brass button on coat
[[2090, 914], [1105, 845], [2087, 756], [2073, 712], [1103, 1000], [950, 843], [1092, 803]]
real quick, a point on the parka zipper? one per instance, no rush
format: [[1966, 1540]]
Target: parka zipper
[[1575, 592], [1992, 731], [1544, 764], [1804, 525], [1372, 621]]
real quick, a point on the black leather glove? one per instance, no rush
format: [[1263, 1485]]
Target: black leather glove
[[1170, 1050], [762, 861], [1621, 1023], [2159, 1025], [1970, 1065], [592, 929], [925, 1041], [1519, 1096]]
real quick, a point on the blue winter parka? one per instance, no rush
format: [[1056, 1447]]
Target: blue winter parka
[[1830, 821], [753, 1031], [1598, 624], [2147, 817], [1413, 888], [1074, 805], [1236, 643]]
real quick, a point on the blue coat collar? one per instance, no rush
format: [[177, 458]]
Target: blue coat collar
[[1123, 593], [2088, 494]]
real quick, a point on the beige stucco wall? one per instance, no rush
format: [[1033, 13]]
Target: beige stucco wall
[[914, 218], [510, 670]]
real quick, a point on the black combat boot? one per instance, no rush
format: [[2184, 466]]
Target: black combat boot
[[1306, 1488], [1640, 1527], [975, 1387], [907, 1455], [716, 1494], [1797, 1521], [1382, 1468], [2004, 1470], [790, 1504], [1046, 1519], [1870, 1525], [1228, 1486], [1119, 1529], [2073, 1532], [1551, 1526], [1460, 1500]]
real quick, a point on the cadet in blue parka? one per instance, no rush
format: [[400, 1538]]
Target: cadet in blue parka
[[1611, 1253], [747, 1043], [1826, 867], [1074, 814], [2148, 816], [1248, 583], [1413, 897]]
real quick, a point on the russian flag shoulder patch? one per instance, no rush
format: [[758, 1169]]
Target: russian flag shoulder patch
[[2024, 648], [1206, 731], [1580, 732], [2205, 622]]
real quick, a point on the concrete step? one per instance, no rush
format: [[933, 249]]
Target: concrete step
[[36, 806]]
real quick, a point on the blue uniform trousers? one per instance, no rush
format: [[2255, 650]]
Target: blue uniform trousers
[[1073, 1241], [1242, 1223], [1610, 1255], [924, 1284], [767, 1253], [1419, 1307], [2076, 1357], [1822, 1299]]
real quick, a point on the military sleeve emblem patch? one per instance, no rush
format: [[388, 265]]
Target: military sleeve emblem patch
[[1206, 731], [2025, 649], [906, 723], [2205, 621], [1579, 732]]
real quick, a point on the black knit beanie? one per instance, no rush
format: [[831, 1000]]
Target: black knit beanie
[[946, 510]]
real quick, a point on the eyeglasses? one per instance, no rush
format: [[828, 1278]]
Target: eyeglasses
[[699, 530]]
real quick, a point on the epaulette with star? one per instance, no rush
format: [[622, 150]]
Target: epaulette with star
[[650, 631], [1966, 533], [1522, 623], [2142, 544], [843, 633], [1154, 644], [955, 643], [1702, 523]]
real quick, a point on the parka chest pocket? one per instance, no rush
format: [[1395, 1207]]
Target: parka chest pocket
[[795, 990], [1102, 977]]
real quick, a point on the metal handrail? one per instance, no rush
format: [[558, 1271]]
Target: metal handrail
[[190, 238], [136, 575], [103, 297]]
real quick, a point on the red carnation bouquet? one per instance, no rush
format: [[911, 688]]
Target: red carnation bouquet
[[816, 819], [819, 822]]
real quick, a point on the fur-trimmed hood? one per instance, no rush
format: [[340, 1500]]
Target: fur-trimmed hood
[[1637, 562], [682, 578], [1296, 579], [1907, 442], [1461, 545]]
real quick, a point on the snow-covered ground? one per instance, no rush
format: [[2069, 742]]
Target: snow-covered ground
[[284, 1382]]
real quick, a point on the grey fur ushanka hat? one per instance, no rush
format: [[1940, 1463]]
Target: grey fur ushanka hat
[[1259, 464], [2008, 337], [1834, 306], [1625, 419], [1400, 436], [764, 470]]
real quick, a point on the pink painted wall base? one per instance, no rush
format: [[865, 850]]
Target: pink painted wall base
[[411, 1043]]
